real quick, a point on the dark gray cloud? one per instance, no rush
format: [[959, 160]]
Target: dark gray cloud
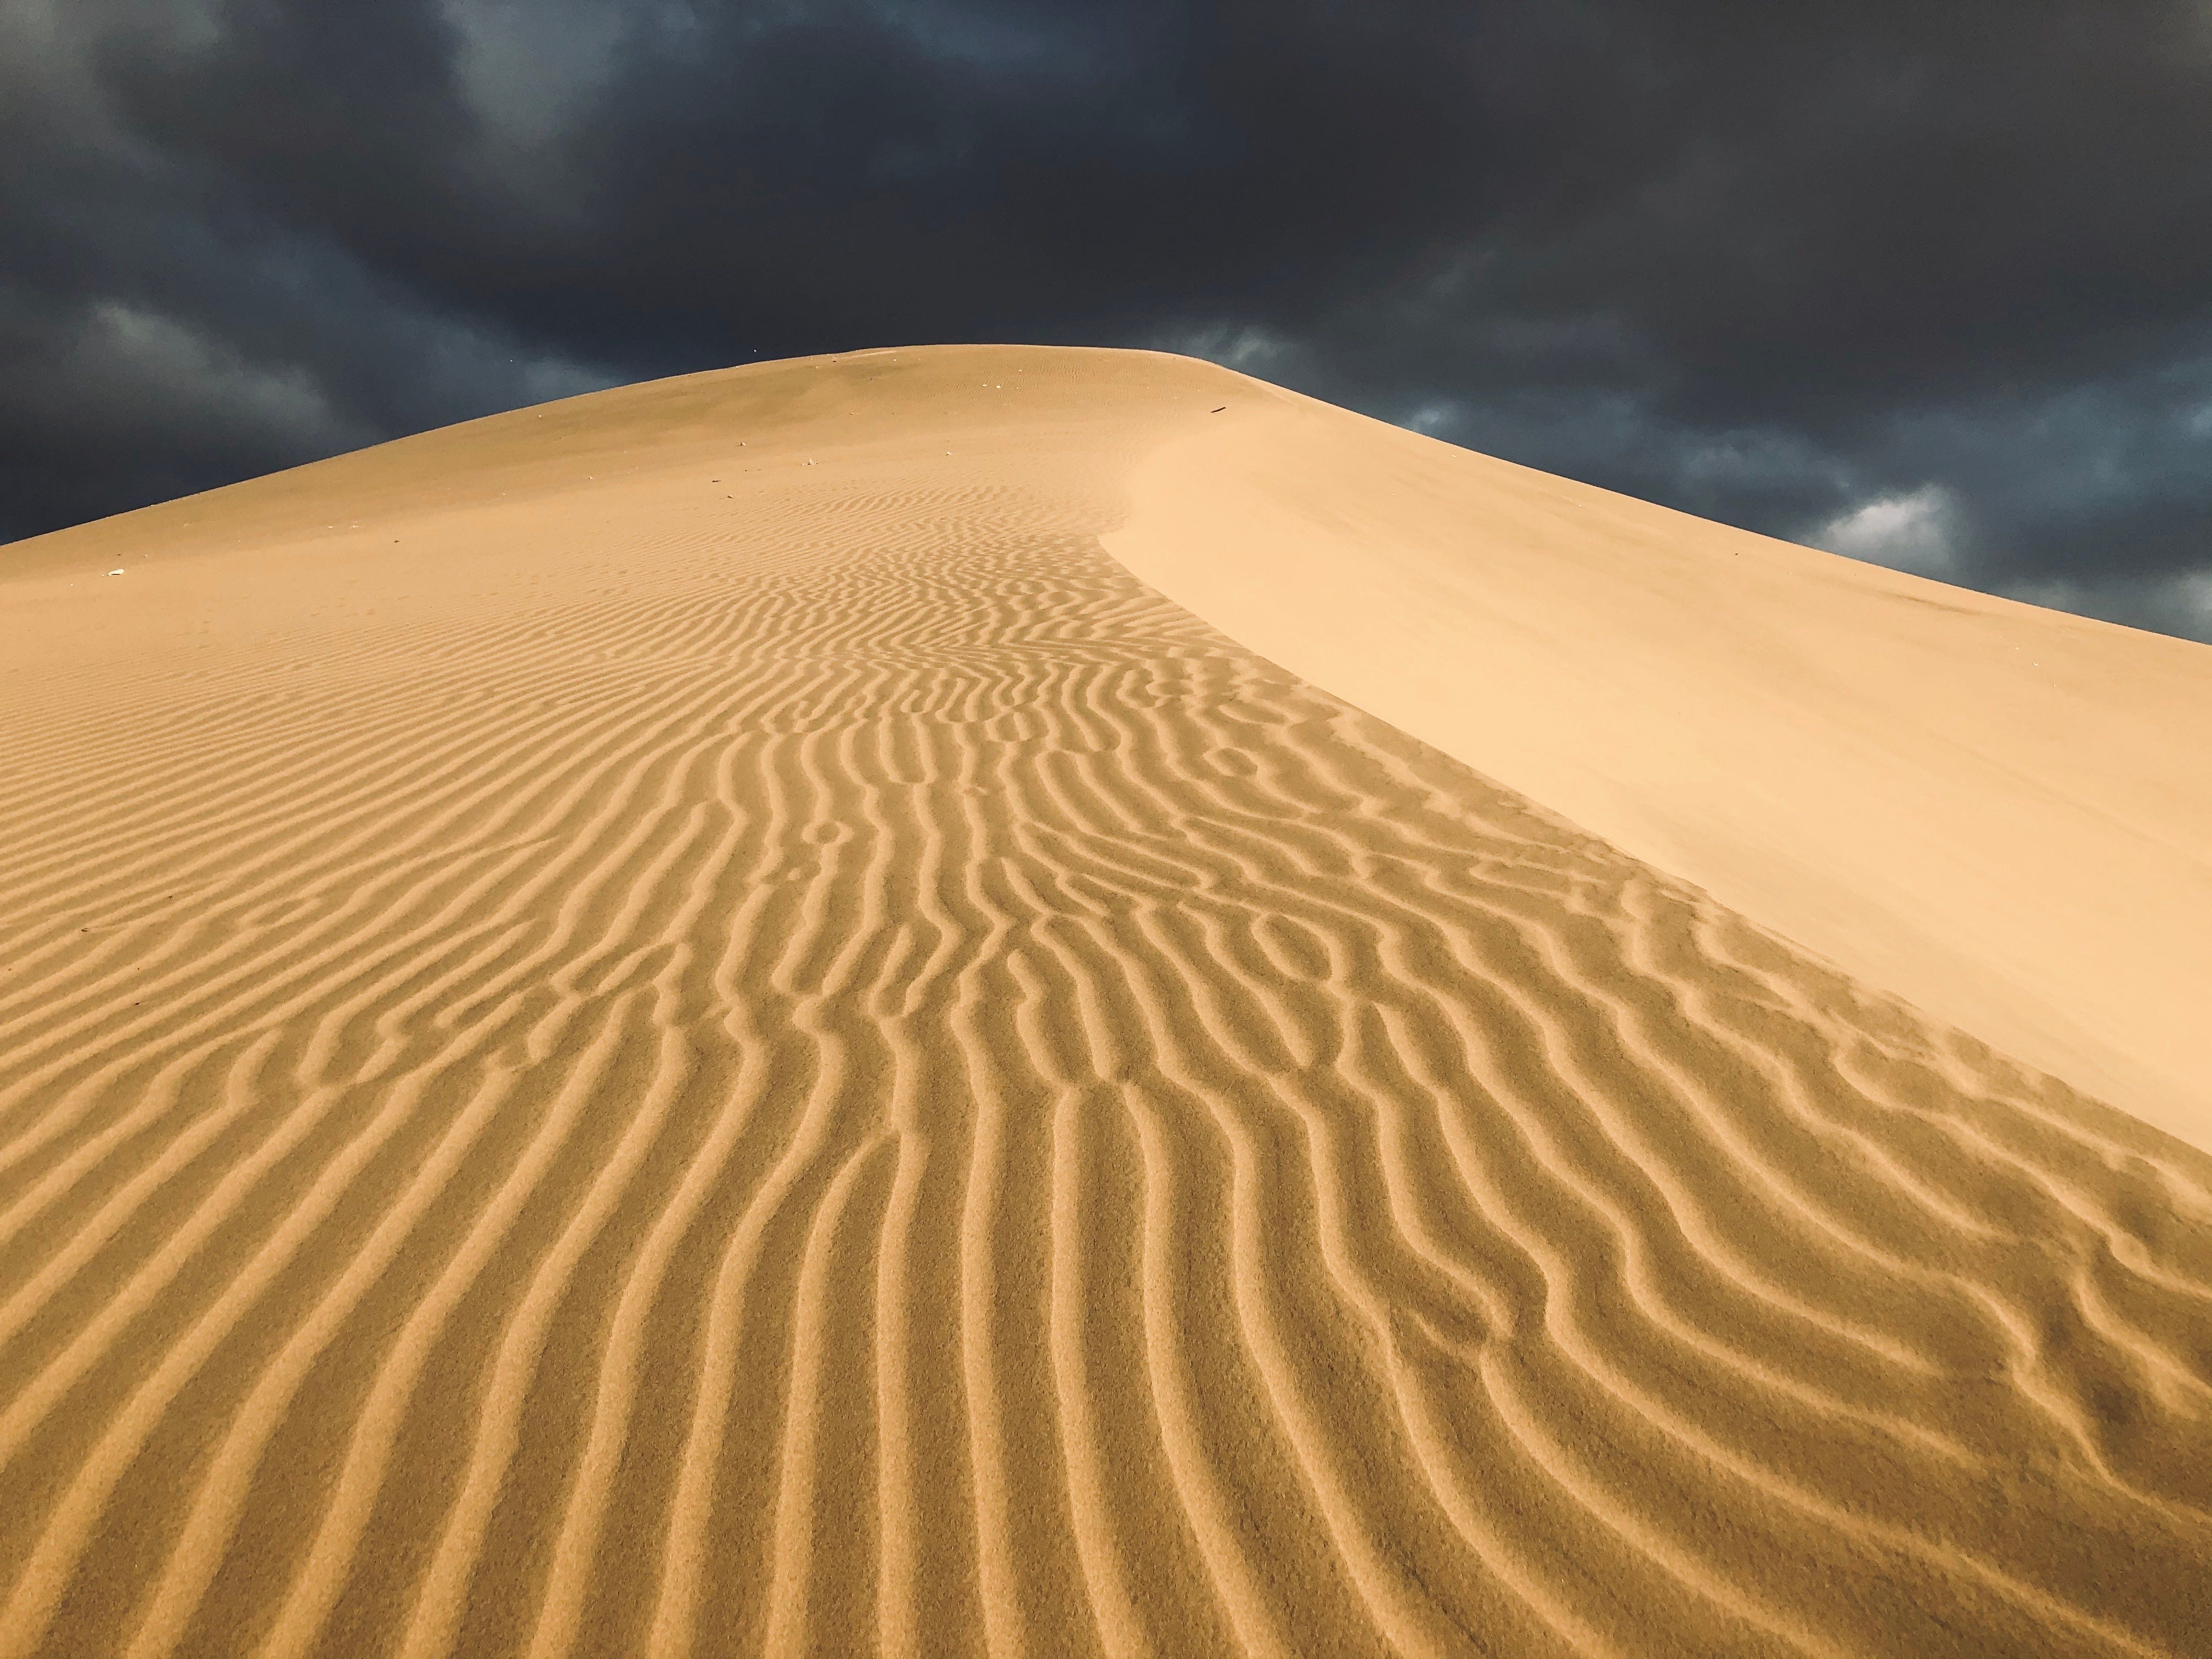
[[1929, 285]]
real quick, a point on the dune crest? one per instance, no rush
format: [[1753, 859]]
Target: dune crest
[[616, 1042]]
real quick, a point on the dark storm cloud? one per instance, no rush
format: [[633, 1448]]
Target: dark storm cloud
[[1931, 285]]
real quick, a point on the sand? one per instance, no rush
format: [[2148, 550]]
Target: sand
[[1001, 1001], [2001, 813]]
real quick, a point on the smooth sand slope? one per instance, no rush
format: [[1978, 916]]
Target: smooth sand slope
[[2000, 812], [688, 1024]]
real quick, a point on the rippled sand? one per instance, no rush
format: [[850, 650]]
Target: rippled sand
[[612, 1042]]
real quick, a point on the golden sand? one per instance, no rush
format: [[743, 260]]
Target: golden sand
[[704, 1022]]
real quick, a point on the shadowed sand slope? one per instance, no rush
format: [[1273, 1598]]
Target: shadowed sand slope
[[758, 1049]]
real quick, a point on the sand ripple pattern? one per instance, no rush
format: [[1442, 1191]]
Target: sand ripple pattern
[[870, 1085]]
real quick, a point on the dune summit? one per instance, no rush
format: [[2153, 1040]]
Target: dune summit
[[1003, 1000]]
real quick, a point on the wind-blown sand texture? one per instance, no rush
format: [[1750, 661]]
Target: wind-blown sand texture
[[620, 1043]]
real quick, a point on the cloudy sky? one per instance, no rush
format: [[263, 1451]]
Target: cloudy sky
[[1926, 283]]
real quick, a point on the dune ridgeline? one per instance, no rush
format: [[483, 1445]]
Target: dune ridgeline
[[1006, 1002]]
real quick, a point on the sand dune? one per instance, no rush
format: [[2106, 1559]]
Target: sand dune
[[689, 1024]]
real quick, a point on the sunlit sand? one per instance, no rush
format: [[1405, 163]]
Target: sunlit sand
[[993, 1000]]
